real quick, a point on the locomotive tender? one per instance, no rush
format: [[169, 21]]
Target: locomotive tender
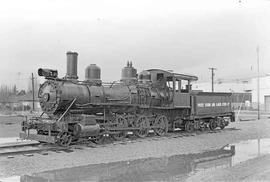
[[155, 100]]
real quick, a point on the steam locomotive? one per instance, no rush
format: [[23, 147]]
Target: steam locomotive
[[154, 100]]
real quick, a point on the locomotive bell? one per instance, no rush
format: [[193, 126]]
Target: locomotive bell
[[92, 74], [129, 74], [72, 65]]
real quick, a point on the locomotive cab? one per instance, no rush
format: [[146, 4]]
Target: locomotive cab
[[178, 84]]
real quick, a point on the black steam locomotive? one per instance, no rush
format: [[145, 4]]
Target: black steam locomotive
[[155, 100]]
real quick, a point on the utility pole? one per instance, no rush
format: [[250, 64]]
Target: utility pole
[[33, 91], [258, 81], [213, 74]]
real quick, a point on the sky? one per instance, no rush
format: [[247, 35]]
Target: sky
[[184, 36]]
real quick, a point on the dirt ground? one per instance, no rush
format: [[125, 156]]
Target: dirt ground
[[235, 132]]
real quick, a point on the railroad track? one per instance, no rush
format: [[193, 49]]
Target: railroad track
[[29, 149], [151, 137]]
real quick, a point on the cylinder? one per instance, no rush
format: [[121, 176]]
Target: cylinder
[[72, 65], [86, 130]]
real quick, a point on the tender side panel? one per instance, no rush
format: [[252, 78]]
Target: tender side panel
[[208, 103]]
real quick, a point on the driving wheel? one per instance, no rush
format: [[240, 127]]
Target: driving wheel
[[143, 124], [120, 122], [161, 125]]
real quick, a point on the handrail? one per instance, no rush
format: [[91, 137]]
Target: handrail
[[67, 110]]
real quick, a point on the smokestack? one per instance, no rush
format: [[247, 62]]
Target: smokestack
[[72, 65]]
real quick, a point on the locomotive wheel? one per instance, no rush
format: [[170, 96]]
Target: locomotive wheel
[[98, 139], [196, 125], [162, 123], [189, 127], [120, 122], [203, 125], [143, 124], [212, 124], [64, 139], [222, 123], [222, 126]]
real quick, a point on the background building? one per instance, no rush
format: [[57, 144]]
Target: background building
[[264, 98], [20, 103]]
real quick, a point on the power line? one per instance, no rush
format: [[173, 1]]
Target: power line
[[33, 91], [213, 74], [258, 81]]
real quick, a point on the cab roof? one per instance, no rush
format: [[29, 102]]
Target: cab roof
[[170, 75]]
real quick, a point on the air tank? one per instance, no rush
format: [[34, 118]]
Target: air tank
[[92, 74], [72, 65], [129, 74]]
